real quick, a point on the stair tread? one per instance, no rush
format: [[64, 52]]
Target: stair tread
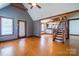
[[59, 40], [59, 37], [59, 33]]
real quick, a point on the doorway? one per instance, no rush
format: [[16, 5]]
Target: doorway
[[21, 28]]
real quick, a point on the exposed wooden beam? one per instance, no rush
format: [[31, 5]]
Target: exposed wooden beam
[[62, 15]]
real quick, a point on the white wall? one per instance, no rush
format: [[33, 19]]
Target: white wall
[[50, 9]]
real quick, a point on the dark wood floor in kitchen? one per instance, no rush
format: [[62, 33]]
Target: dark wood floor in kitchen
[[43, 46]]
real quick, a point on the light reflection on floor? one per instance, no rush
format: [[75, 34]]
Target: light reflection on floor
[[43, 46], [7, 51]]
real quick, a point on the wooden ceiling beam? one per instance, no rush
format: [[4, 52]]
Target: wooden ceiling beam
[[62, 15]]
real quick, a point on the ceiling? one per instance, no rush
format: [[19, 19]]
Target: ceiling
[[2, 5], [48, 9]]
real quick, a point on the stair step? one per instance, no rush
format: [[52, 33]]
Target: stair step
[[60, 31], [59, 35], [59, 40]]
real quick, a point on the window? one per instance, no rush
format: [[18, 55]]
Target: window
[[74, 26], [6, 26], [42, 27], [49, 26]]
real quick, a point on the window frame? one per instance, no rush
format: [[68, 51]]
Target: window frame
[[12, 26]]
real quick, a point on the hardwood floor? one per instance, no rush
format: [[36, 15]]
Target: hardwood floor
[[43, 46]]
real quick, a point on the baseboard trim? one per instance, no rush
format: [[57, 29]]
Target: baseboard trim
[[20, 38], [29, 36], [33, 36], [8, 40], [12, 39]]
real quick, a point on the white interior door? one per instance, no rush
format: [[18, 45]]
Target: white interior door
[[21, 29]]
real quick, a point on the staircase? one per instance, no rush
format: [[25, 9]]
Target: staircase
[[59, 32]]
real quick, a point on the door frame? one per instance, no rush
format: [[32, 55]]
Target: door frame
[[18, 28]]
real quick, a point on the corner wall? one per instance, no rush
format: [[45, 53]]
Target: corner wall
[[17, 14], [36, 28]]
